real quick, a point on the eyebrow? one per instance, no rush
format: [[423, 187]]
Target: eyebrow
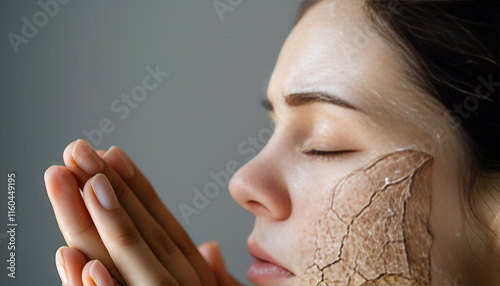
[[299, 99]]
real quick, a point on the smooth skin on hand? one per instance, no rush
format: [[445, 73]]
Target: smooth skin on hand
[[119, 224]]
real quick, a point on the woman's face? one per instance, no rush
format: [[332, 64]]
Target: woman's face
[[360, 180]]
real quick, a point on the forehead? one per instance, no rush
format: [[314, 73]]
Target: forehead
[[335, 48]]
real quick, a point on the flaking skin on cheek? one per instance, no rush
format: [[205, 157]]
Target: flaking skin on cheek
[[376, 231]]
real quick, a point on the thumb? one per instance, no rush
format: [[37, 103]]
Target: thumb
[[211, 252]]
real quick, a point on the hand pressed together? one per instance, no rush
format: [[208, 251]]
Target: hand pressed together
[[118, 230]]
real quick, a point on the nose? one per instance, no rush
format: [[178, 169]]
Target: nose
[[260, 186]]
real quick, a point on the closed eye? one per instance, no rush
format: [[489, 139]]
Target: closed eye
[[326, 154]]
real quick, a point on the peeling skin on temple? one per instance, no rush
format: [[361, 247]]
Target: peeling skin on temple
[[376, 230]]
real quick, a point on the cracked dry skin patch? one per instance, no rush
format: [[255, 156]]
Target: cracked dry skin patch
[[376, 231]]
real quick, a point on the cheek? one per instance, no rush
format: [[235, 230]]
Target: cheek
[[375, 228]]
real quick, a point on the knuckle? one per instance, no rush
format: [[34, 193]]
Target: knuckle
[[164, 280], [82, 232], [126, 237], [167, 244], [158, 250]]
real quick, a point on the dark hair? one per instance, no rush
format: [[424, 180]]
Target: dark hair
[[451, 49]]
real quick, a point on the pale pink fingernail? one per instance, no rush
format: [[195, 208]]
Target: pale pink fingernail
[[100, 274], [104, 192], [120, 162], [86, 158], [60, 265]]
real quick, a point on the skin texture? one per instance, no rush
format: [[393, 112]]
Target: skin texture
[[383, 210], [288, 186], [307, 187], [118, 230]]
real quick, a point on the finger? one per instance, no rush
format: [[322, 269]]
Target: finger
[[90, 162], [164, 248], [101, 152], [132, 255], [145, 192], [211, 252], [70, 263], [72, 216], [95, 274]]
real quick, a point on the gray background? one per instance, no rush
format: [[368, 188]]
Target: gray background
[[66, 77]]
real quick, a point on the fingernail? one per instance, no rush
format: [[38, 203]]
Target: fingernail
[[104, 192], [86, 158], [120, 162], [60, 265], [99, 274]]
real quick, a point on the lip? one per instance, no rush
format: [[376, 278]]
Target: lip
[[265, 270]]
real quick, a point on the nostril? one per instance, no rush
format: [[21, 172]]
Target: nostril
[[256, 208], [260, 187]]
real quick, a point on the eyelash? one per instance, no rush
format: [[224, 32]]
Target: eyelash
[[322, 154]]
